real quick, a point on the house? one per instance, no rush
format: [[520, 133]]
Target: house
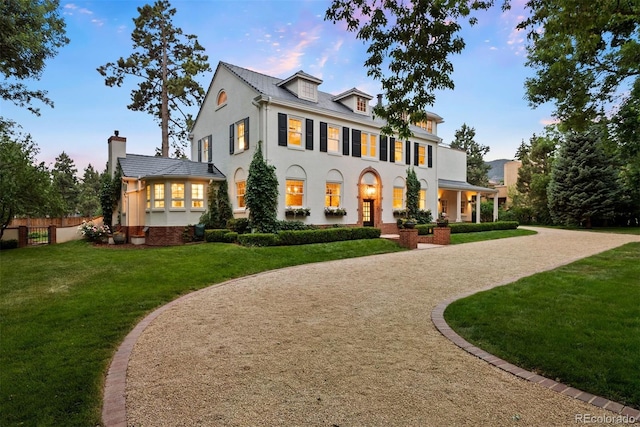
[[328, 151], [159, 195], [509, 181]]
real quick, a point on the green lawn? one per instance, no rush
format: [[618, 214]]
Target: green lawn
[[578, 324], [64, 309]]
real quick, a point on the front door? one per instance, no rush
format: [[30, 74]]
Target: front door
[[367, 212]]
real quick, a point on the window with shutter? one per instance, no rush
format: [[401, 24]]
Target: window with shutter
[[355, 143]]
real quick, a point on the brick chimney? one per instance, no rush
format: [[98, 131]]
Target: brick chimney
[[117, 148]]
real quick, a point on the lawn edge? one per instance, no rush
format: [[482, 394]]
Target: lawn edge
[[437, 317]]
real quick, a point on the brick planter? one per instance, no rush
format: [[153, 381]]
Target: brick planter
[[442, 235], [408, 238]]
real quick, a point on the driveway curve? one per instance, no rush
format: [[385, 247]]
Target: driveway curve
[[345, 343]]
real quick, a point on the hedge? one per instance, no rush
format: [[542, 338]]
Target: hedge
[[216, 235], [258, 239], [305, 237], [470, 227], [425, 229], [8, 244]]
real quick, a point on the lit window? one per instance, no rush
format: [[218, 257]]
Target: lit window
[[148, 196], [368, 143], [158, 195], [422, 203], [240, 190], [332, 195], [295, 132], [398, 151], [398, 197], [222, 97], [197, 195], [333, 139], [361, 104], [295, 193], [421, 154], [308, 90], [241, 141], [426, 125], [204, 149], [177, 195]]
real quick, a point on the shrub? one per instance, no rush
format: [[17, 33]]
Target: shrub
[[365, 233], [8, 244], [425, 229], [239, 225], [231, 237], [424, 216], [258, 239], [470, 227], [294, 225], [92, 232], [215, 235]]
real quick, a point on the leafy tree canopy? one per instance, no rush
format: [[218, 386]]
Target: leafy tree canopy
[[166, 60], [582, 52], [32, 32], [477, 169], [414, 41], [25, 186]]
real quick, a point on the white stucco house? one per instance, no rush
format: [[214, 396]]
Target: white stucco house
[[327, 149]]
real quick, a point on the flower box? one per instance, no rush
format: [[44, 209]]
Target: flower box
[[335, 212], [297, 212]]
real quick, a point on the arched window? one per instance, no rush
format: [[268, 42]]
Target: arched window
[[333, 189], [222, 97], [295, 186], [398, 193]]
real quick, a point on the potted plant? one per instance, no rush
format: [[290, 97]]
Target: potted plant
[[442, 220], [119, 237]]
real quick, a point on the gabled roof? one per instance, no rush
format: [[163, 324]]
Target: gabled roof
[[448, 184], [143, 167], [352, 91], [301, 74]]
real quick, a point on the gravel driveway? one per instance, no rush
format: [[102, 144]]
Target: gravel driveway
[[347, 343]]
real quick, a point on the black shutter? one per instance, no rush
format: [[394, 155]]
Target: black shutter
[[231, 139], [416, 154], [355, 143], [246, 134], [345, 141], [430, 156], [407, 153], [309, 132], [282, 129], [199, 150], [383, 148], [392, 149], [323, 137], [210, 148]]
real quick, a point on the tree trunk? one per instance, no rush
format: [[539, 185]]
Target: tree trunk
[[164, 109]]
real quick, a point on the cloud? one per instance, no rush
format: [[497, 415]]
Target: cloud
[[549, 121], [70, 8], [289, 55]]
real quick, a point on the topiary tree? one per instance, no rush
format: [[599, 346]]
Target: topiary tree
[[413, 193], [261, 196]]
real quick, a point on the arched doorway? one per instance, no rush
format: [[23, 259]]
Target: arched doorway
[[369, 190]]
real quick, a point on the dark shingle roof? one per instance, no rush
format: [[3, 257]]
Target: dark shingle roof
[[136, 165]]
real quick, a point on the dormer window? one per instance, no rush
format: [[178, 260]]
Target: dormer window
[[308, 90], [361, 104]]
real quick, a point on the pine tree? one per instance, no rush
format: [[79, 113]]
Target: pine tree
[[66, 184], [477, 169], [413, 193], [261, 196], [224, 210], [583, 183], [89, 197]]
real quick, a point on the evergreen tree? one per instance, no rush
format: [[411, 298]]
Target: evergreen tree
[[224, 210], [89, 198], [65, 183], [167, 61], [477, 169], [413, 193], [209, 217], [583, 184], [261, 196]]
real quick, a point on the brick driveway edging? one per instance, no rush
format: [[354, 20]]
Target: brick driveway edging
[[437, 317]]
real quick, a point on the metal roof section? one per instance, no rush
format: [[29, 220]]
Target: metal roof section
[[447, 184], [144, 167]]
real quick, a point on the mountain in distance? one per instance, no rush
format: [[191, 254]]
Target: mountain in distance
[[496, 173]]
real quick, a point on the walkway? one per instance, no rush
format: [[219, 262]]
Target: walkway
[[342, 343]]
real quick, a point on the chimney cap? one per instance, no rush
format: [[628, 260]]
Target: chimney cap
[[116, 132]]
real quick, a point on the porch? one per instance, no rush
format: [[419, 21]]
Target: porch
[[457, 200]]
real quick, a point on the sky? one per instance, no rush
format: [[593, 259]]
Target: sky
[[277, 38]]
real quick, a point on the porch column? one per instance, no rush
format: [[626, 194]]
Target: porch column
[[478, 197], [495, 207], [458, 202]]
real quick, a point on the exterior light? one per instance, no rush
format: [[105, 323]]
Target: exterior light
[[371, 190]]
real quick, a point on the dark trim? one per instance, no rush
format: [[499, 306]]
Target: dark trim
[[356, 136], [231, 138], [416, 154], [392, 150], [246, 133], [282, 129], [407, 152], [345, 141], [309, 134], [210, 148], [429, 156], [383, 148], [323, 137]]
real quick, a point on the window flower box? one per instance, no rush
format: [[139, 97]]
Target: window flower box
[[399, 213], [297, 212], [335, 212]]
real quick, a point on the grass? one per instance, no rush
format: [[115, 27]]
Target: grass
[[578, 324], [65, 308], [459, 238]]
